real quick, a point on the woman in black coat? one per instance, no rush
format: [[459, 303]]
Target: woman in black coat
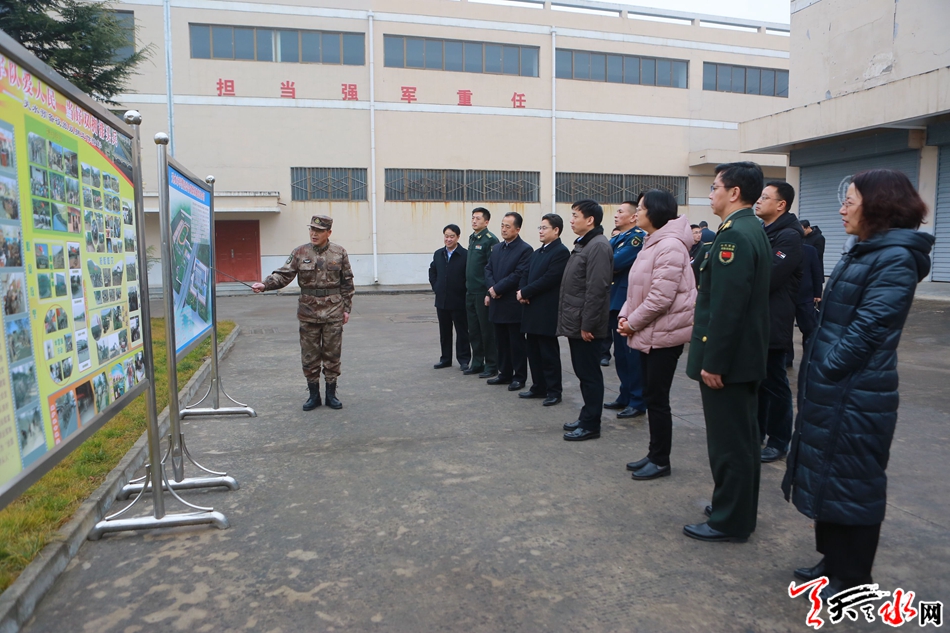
[[847, 385]]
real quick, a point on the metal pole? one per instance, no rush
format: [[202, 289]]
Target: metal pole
[[372, 144], [164, 218], [169, 74], [215, 399], [553, 122], [133, 118]]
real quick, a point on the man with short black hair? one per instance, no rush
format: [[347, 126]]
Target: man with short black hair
[[506, 266], [539, 296], [785, 238], [708, 235], [728, 351], [481, 333], [583, 311], [447, 278], [815, 239]]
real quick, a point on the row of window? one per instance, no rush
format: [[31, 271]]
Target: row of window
[[745, 80], [277, 45], [460, 56], [621, 69], [476, 185], [210, 41]]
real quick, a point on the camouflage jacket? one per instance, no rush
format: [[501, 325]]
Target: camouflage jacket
[[327, 269]]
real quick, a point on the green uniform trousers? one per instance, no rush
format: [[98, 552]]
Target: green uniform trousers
[[732, 438], [481, 333], [321, 345]]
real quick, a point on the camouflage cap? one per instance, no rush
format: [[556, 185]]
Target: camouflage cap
[[322, 222]]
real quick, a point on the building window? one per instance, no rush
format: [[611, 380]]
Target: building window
[[212, 41], [621, 69], [126, 22], [327, 183], [616, 188], [469, 57], [456, 185], [770, 82]]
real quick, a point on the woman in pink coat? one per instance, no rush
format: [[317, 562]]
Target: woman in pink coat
[[657, 318]]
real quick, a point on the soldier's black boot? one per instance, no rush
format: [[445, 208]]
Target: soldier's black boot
[[332, 401], [314, 401]]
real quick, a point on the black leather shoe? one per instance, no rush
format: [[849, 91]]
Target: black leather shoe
[[468, 371], [771, 454], [605, 362], [529, 394], [515, 385], [616, 404], [498, 380], [579, 435], [488, 373], [702, 532], [651, 471], [707, 511], [811, 573], [442, 364], [572, 426], [314, 401], [463, 366], [637, 465], [550, 402], [331, 400], [630, 412]]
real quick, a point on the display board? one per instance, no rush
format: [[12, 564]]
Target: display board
[[189, 204], [69, 271]]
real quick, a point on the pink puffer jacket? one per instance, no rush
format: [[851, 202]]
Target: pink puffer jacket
[[661, 294]]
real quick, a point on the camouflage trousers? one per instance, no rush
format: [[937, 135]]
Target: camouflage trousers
[[321, 345]]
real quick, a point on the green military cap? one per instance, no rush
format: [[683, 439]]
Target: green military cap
[[321, 222]]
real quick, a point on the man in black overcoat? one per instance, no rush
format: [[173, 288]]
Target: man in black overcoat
[[539, 292], [506, 266], [447, 278]]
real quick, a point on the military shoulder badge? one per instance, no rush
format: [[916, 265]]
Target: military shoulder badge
[[635, 241], [727, 253], [726, 225]]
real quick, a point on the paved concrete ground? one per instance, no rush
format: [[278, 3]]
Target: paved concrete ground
[[433, 502]]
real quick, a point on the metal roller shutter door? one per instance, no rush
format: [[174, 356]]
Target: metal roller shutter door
[[941, 261], [819, 200]]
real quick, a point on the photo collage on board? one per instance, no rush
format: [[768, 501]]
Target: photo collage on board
[[84, 252], [17, 330]]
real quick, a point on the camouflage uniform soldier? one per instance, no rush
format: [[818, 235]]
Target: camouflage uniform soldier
[[326, 298]]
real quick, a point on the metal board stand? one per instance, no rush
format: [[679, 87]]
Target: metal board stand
[[216, 387], [155, 479]]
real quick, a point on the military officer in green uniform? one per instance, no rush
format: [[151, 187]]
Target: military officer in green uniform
[[728, 350], [481, 331], [326, 299]]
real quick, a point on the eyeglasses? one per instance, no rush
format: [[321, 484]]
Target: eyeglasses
[[544, 227], [765, 197], [714, 187]]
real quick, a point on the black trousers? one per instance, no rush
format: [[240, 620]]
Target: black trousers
[[585, 358], [775, 402], [627, 363], [732, 438], [544, 359], [481, 333], [512, 352], [458, 318], [658, 368], [806, 316], [849, 550]]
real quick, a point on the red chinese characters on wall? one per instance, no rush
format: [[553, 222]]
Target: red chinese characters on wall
[[349, 92], [225, 87], [288, 90], [408, 94], [465, 97], [518, 100]]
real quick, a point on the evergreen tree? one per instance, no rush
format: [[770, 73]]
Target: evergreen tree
[[85, 42]]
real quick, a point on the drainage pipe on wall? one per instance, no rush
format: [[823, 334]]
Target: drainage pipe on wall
[[372, 144], [553, 122], [170, 96]]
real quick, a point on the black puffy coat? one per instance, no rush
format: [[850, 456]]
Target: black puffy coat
[[785, 239], [847, 384]]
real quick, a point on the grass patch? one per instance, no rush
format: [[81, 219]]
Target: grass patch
[[28, 524]]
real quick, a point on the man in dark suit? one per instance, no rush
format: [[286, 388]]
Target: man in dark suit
[[506, 266], [816, 240], [539, 295], [708, 235], [809, 297], [729, 349], [447, 278]]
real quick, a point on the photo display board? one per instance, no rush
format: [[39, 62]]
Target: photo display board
[[69, 271], [189, 204]]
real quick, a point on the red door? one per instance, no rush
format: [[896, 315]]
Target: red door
[[237, 250]]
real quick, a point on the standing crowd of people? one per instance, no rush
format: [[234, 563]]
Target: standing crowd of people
[[735, 296]]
